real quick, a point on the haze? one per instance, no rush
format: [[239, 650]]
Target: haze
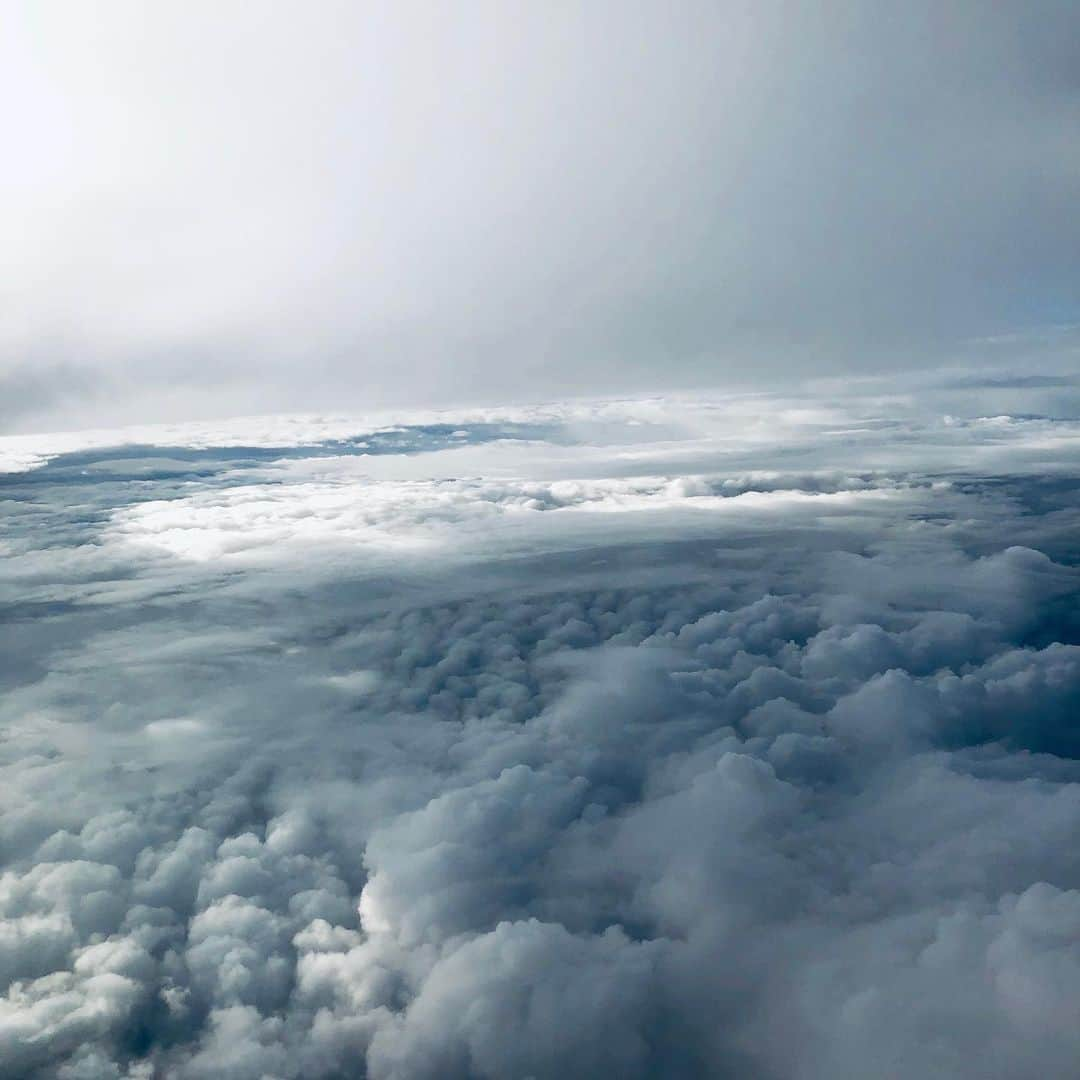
[[220, 208]]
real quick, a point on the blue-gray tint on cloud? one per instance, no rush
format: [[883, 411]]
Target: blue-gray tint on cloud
[[648, 739], [134, 462]]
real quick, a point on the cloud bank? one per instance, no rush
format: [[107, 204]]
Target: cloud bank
[[645, 738]]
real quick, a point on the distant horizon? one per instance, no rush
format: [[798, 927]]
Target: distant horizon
[[1057, 367]]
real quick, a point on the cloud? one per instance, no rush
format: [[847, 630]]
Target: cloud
[[554, 989], [667, 738]]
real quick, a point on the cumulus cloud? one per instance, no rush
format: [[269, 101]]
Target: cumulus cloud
[[623, 740]]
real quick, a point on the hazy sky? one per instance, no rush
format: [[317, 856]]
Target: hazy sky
[[212, 207]]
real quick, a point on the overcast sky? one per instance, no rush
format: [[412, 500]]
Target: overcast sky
[[228, 207]]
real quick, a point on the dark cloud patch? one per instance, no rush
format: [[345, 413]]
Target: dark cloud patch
[[1010, 382]]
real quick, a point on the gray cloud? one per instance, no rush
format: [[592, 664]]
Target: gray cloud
[[582, 759], [211, 211]]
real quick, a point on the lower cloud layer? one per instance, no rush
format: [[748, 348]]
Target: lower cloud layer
[[466, 779]]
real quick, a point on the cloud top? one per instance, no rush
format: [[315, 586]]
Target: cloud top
[[606, 754]]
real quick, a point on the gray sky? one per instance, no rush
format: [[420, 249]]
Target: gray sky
[[227, 207]]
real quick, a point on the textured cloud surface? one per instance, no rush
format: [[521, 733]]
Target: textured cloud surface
[[652, 738]]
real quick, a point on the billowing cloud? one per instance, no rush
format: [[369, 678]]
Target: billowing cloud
[[648, 738]]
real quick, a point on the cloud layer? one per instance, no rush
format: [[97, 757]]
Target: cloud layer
[[630, 739]]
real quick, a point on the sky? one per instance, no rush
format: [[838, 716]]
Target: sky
[[212, 209]]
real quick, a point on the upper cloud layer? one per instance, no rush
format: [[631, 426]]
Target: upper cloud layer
[[207, 213]]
